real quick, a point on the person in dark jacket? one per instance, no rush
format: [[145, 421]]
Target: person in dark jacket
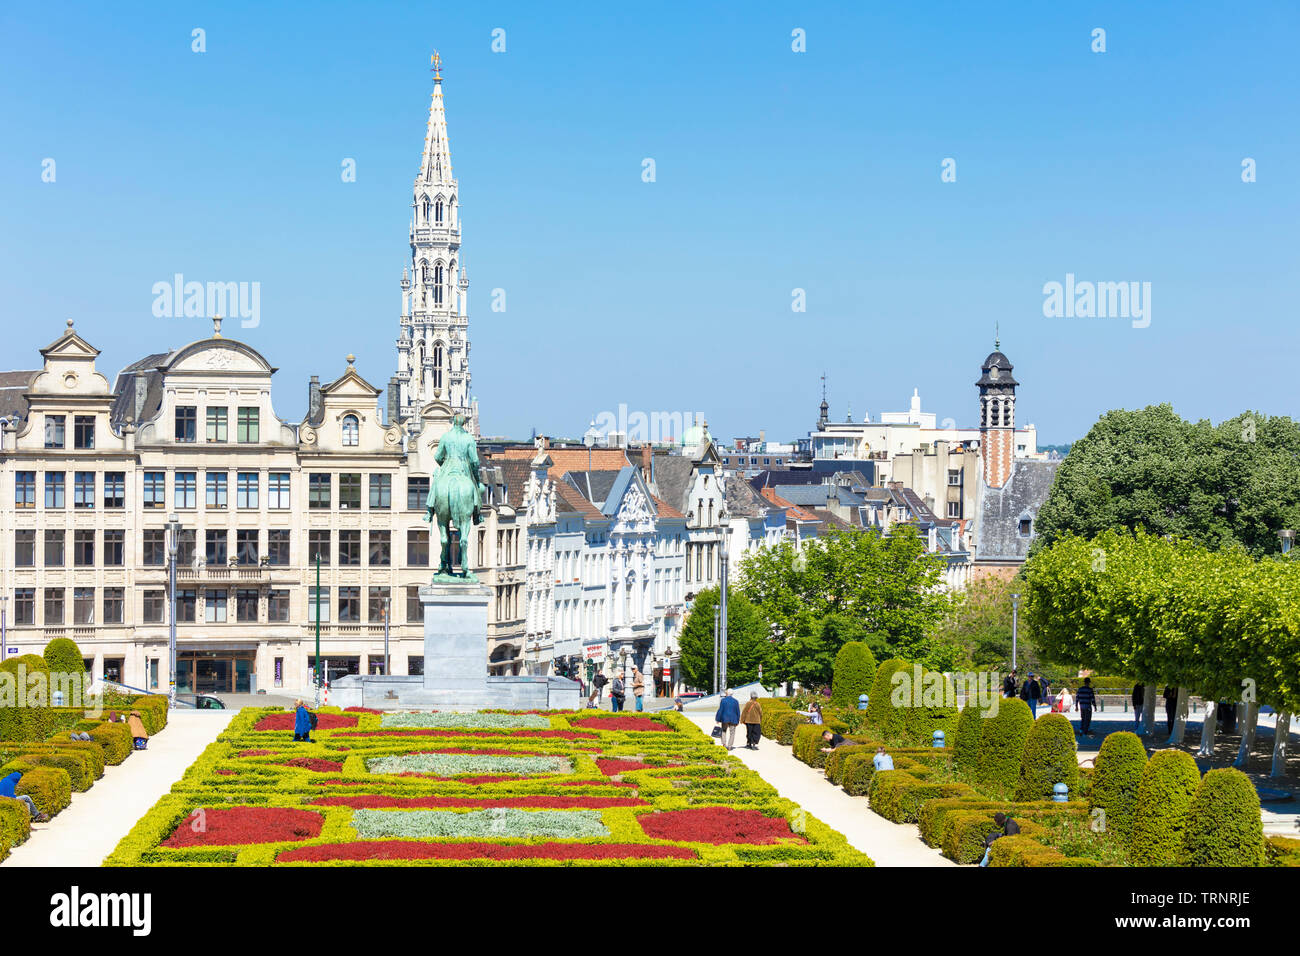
[[1006, 827], [834, 740], [728, 716], [1139, 704], [751, 715], [617, 692], [1009, 685], [302, 723], [9, 787], [1030, 693], [1085, 700], [1171, 708]]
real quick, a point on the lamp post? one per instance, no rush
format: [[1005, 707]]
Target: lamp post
[[722, 604], [173, 546], [717, 614], [387, 601], [1015, 617], [1287, 537], [4, 648], [316, 675], [589, 439]]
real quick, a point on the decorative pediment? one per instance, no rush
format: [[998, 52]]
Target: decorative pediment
[[218, 355]]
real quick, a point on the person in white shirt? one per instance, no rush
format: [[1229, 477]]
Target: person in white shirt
[[882, 760], [1064, 701]]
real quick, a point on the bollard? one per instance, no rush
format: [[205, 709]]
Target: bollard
[[862, 702], [1060, 793], [938, 738]]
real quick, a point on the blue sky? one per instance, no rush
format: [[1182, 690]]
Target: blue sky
[[775, 170]]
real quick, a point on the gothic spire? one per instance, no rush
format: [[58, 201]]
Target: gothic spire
[[436, 164]]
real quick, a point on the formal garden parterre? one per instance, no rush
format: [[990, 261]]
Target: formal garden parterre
[[1130, 809], [485, 788]]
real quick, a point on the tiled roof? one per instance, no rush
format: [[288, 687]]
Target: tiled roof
[[12, 387], [792, 510], [742, 500], [571, 459], [515, 472], [569, 499], [1000, 510]]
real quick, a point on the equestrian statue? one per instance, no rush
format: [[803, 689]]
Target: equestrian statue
[[455, 496]]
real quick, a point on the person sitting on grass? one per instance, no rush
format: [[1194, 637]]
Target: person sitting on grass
[[302, 723], [9, 787], [835, 740], [1006, 827]]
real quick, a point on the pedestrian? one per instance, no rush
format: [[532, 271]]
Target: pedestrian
[[882, 760], [638, 686], [1086, 699], [677, 704], [1171, 708], [1030, 693], [617, 692], [1006, 827], [813, 713], [1044, 689], [302, 723], [136, 724], [1009, 684], [598, 684], [728, 716], [1139, 707], [752, 717], [1064, 701], [9, 788]]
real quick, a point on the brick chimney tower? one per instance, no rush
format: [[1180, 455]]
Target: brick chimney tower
[[997, 418]]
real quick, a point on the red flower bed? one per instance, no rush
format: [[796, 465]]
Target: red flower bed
[[621, 723], [717, 825], [257, 753], [343, 783], [419, 850], [314, 763], [427, 732], [611, 766], [588, 783], [323, 721], [228, 773], [245, 825], [361, 710], [535, 802]]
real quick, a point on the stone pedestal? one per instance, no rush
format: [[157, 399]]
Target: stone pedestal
[[455, 665]]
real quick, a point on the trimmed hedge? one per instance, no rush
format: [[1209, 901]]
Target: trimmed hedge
[[785, 725], [771, 708], [835, 760], [116, 740], [1050, 757], [931, 708], [15, 824], [808, 744], [37, 723], [1223, 824], [886, 720], [966, 748], [1281, 851], [855, 671], [1002, 744], [81, 773], [1024, 850], [1164, 797], [897, 795], [49, 787], [1115, 780]]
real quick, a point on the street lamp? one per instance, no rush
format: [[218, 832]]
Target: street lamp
[[725, 537], [589, 438], [1015, 616], [1287, 537], [717, 616], [387, 603], [4, 650], [173, 546]]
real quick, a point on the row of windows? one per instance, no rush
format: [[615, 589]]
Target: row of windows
[[247, 424], [109, 490], [83, 431], [216, 547]]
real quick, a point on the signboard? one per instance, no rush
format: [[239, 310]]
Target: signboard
[[594, 652]]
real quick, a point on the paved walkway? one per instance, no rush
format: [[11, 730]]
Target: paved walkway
[[89, 829], [889, 844]]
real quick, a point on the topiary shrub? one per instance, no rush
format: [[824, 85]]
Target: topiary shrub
[[808, 744], [933, 706], [15, 824], [1050, 757], [884, 718], [784, 726], [1223, 824], [81, 775], [966, 748], [771, 709], [49, 787], [1002, 744], [1164, 797], [1115, 780], [63, 656], [855, 670], [116, 740], [834, 764], [1281, 851], [898, 795]]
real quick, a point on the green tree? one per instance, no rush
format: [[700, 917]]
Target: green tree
[[1234, 484], [748, 646]]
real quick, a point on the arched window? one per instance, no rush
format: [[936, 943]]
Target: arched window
[[437, 284], [437, 211], [437, 365], [426, 209], [351, 430], [424, 273]]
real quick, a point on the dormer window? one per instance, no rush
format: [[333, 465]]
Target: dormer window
[[1025, 527], [351, 431]]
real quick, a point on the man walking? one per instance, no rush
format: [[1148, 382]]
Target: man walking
[[1086, 699], [752, 718], [1139, 707], [1030, 693], [728, 716], [1171, 708], [1009, 685]]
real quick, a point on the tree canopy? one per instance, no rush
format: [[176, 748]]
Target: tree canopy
[[1236, 483], [748, 645]]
